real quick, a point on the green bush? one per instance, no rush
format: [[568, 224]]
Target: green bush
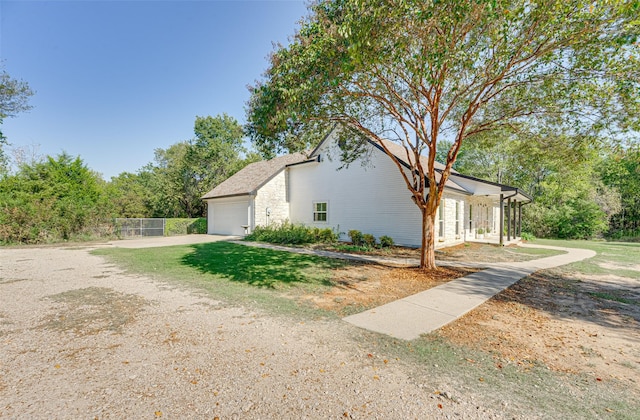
[[386, 241], [184, 226], [357, 238], [56, 199], [574, 219], [369, 240], [526, 236], [198, 226], [287, 233]]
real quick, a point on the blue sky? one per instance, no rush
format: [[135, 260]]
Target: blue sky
[[115, 80]]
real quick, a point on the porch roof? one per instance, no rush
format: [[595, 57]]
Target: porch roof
[[477, 186]]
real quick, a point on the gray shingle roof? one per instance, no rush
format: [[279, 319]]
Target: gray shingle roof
[[253, 176]]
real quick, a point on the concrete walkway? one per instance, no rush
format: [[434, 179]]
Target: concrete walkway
[[418, 314], [427, 311]]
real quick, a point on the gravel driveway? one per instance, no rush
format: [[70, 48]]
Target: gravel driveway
[[79, 338]]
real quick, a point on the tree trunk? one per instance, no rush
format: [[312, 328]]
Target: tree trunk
[[428, 254]]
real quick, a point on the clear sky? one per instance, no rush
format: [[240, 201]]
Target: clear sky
[[115, 80]]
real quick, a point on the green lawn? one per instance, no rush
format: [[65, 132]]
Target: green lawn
[[234, 273], [617, 258]]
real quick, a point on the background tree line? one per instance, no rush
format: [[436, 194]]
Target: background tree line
[[582, 187], [47, 199]]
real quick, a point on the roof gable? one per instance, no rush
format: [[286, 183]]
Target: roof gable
[[456, 182], [249, 179]]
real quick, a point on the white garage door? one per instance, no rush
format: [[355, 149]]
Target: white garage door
[[228, 218]]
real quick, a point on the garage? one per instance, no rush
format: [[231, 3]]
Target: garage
[[228, 218]]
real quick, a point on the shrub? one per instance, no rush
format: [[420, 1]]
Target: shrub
[[325, 235], [357, 238], [184, 226], [526, 236], [386, 241], [198, 225], [287, 233], [369, 240]]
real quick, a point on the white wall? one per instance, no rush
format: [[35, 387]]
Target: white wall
[[272, 195], [372, 198]]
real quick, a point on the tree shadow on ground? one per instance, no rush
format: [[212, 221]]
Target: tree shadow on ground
[[259, 267], [562, 296]]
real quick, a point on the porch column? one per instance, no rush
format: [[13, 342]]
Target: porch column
[[520, 220], [501, 219], [508, 219]]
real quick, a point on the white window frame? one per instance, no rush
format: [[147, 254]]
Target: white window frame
[[441, 226], [458, 212], [316, 212]]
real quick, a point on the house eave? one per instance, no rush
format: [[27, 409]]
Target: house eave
[[314, 160], [248, 194]]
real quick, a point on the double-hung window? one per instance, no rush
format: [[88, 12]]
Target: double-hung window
[[320, 211]]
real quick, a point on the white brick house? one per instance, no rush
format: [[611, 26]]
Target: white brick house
[[369, 195]]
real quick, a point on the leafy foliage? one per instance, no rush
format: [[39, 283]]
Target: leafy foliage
[[51, 200], [369, 240], [181, 174], [417, 72], [386, 241], [357, 238], [570, 198], [127, 196], [292, 234], [620, 170], [14, 96], [185, 226]]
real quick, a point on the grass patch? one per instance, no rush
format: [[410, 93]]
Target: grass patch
[[612, 297], [625, 256], [475, 252], [93, 310], [237, 274], [269, 279]]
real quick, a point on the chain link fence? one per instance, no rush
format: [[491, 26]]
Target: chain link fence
[[138, 227]]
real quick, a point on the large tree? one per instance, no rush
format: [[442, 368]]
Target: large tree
[[419, 71], [185, 171]]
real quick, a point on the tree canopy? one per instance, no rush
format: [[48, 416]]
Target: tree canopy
[[14, 97], [417, 72], [181, 174], [57, 198]]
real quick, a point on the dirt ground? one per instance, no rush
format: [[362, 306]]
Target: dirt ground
[[80, 338], [587, 324], [365, 286]]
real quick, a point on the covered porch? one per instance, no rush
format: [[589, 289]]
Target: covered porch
[[494, 211]]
